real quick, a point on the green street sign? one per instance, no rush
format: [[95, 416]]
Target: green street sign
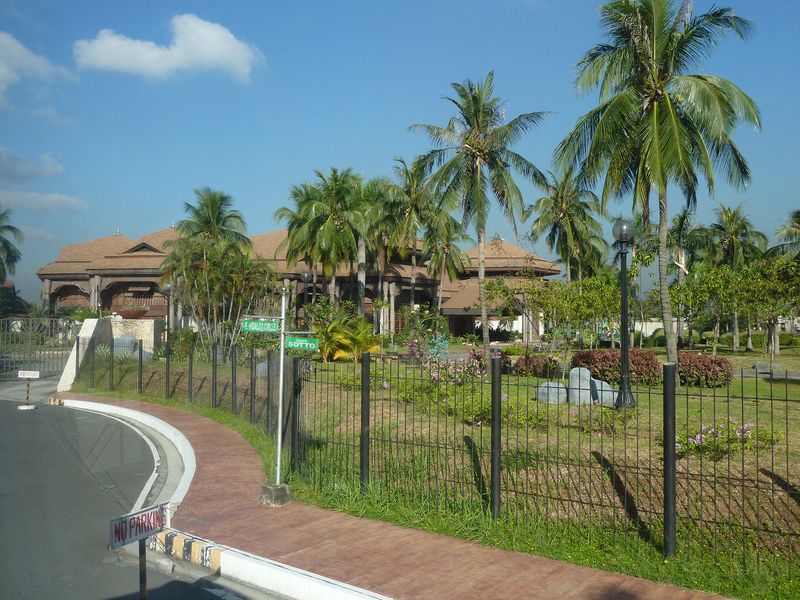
[[298, 343], [260, 326]]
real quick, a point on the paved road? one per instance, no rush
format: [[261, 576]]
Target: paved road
[[64, 474]]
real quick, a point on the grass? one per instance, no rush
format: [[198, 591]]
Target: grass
[[547, 469]]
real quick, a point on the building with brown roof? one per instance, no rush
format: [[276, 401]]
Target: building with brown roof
[[115, 272]]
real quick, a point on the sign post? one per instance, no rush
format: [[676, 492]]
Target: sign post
[[138, 526], [27, 376]]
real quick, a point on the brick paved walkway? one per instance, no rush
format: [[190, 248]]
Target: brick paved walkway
[[222, 505]]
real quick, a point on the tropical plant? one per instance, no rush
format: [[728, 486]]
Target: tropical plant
[[442, 251], [474, 161], [214, 218], [9, 253], [789, 234], [656, 123], [566, 217]]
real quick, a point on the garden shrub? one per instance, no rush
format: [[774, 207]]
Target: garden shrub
[[722, 438], [657, 338], [515, 350], [604, 419], [787, 339], [704, 371], [645, 368], [538, 366], [505, 359]]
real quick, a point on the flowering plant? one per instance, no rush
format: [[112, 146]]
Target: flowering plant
[[720, 439]]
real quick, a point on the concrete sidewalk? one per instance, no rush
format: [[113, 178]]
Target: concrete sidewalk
[[222, 505]]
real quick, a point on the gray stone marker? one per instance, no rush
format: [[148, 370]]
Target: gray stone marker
[[580, 381], [551, 392], [602, 393]]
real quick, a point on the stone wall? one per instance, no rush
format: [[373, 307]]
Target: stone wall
[[149, 331]]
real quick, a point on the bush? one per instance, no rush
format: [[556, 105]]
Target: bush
[[537, 365], [645, 368], [505, 359], [722, 438], [704, 371], [515, 350], [787, 339], [657, 338]]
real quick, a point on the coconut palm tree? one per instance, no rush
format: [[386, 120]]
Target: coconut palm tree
[[9, 253], [789, 234], [213, 217], [657, 123], [442, 236], [474, 162], [566, 217]]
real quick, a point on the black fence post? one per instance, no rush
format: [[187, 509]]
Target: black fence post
[[496, 429], [234, 398], [364, 462], [111, 365], [214, 375], [270, 396], [190, 376], [139, 371], [297, 383], [669, 460], [252, 385], [168, 357]]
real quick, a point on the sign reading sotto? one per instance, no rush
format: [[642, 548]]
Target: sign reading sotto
[[260, 326], [138, 525], [298, 343]]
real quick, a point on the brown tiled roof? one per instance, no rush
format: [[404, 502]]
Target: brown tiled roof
[[466, 299], [157, 238], [143, 259], [505, 256], [92, 249]]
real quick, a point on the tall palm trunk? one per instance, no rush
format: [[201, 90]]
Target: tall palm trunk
[[681, 280], [748, 345], [332, 287], [663, 288], [362, 274], [441, 281], [736, 331], [482, 291]]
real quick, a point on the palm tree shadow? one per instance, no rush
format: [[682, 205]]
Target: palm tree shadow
[[792, 490], [627, 500]]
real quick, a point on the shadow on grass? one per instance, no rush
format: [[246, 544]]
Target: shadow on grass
[[477, 472], [793, 491], [627, 500]]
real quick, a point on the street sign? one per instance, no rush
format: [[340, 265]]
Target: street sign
[[298, 343], [28, 374], [260, 326], [137, 525]]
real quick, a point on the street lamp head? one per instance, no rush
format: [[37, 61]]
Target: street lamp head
[[305, 276], [167, 288], [623, 231]]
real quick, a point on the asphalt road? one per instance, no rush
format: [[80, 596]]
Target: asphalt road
[[64, 474]]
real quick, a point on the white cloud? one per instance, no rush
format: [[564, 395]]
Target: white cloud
[[16, 62], [196, 45], [52, 114], [36, 234], [18, 168], [37, 202]]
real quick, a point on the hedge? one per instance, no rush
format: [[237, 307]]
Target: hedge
[[645, 368], [537, 365], [704, 371], [787, 339]]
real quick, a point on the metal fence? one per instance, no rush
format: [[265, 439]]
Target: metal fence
[[449, 434], [35, 345]]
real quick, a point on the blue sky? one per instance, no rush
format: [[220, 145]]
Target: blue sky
[[111, 113]]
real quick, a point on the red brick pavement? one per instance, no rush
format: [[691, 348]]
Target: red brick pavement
[[222, 505]]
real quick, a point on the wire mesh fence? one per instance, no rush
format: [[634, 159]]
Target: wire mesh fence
[[34, 344]]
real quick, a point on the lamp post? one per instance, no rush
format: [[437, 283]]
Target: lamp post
[[623, 233], [167, 290], [306, 277]]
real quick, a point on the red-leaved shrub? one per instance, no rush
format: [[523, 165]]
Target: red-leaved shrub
[[645, 368], [704, 371], [538, 366]]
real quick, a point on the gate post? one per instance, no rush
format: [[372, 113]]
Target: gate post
[[214, 375], [297, 386], [669, 459], [364, 458], [139, 372], [234, 399], [252, 386], [111, 365], [496, 431]]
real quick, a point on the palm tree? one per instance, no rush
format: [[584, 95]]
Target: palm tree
[[656, 124], [789, 234], [413, 205], [9, 253], [213, 217], [442, 236], [684, 241], [566, 216], [474, 162], [734, 242], [327, 222]]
